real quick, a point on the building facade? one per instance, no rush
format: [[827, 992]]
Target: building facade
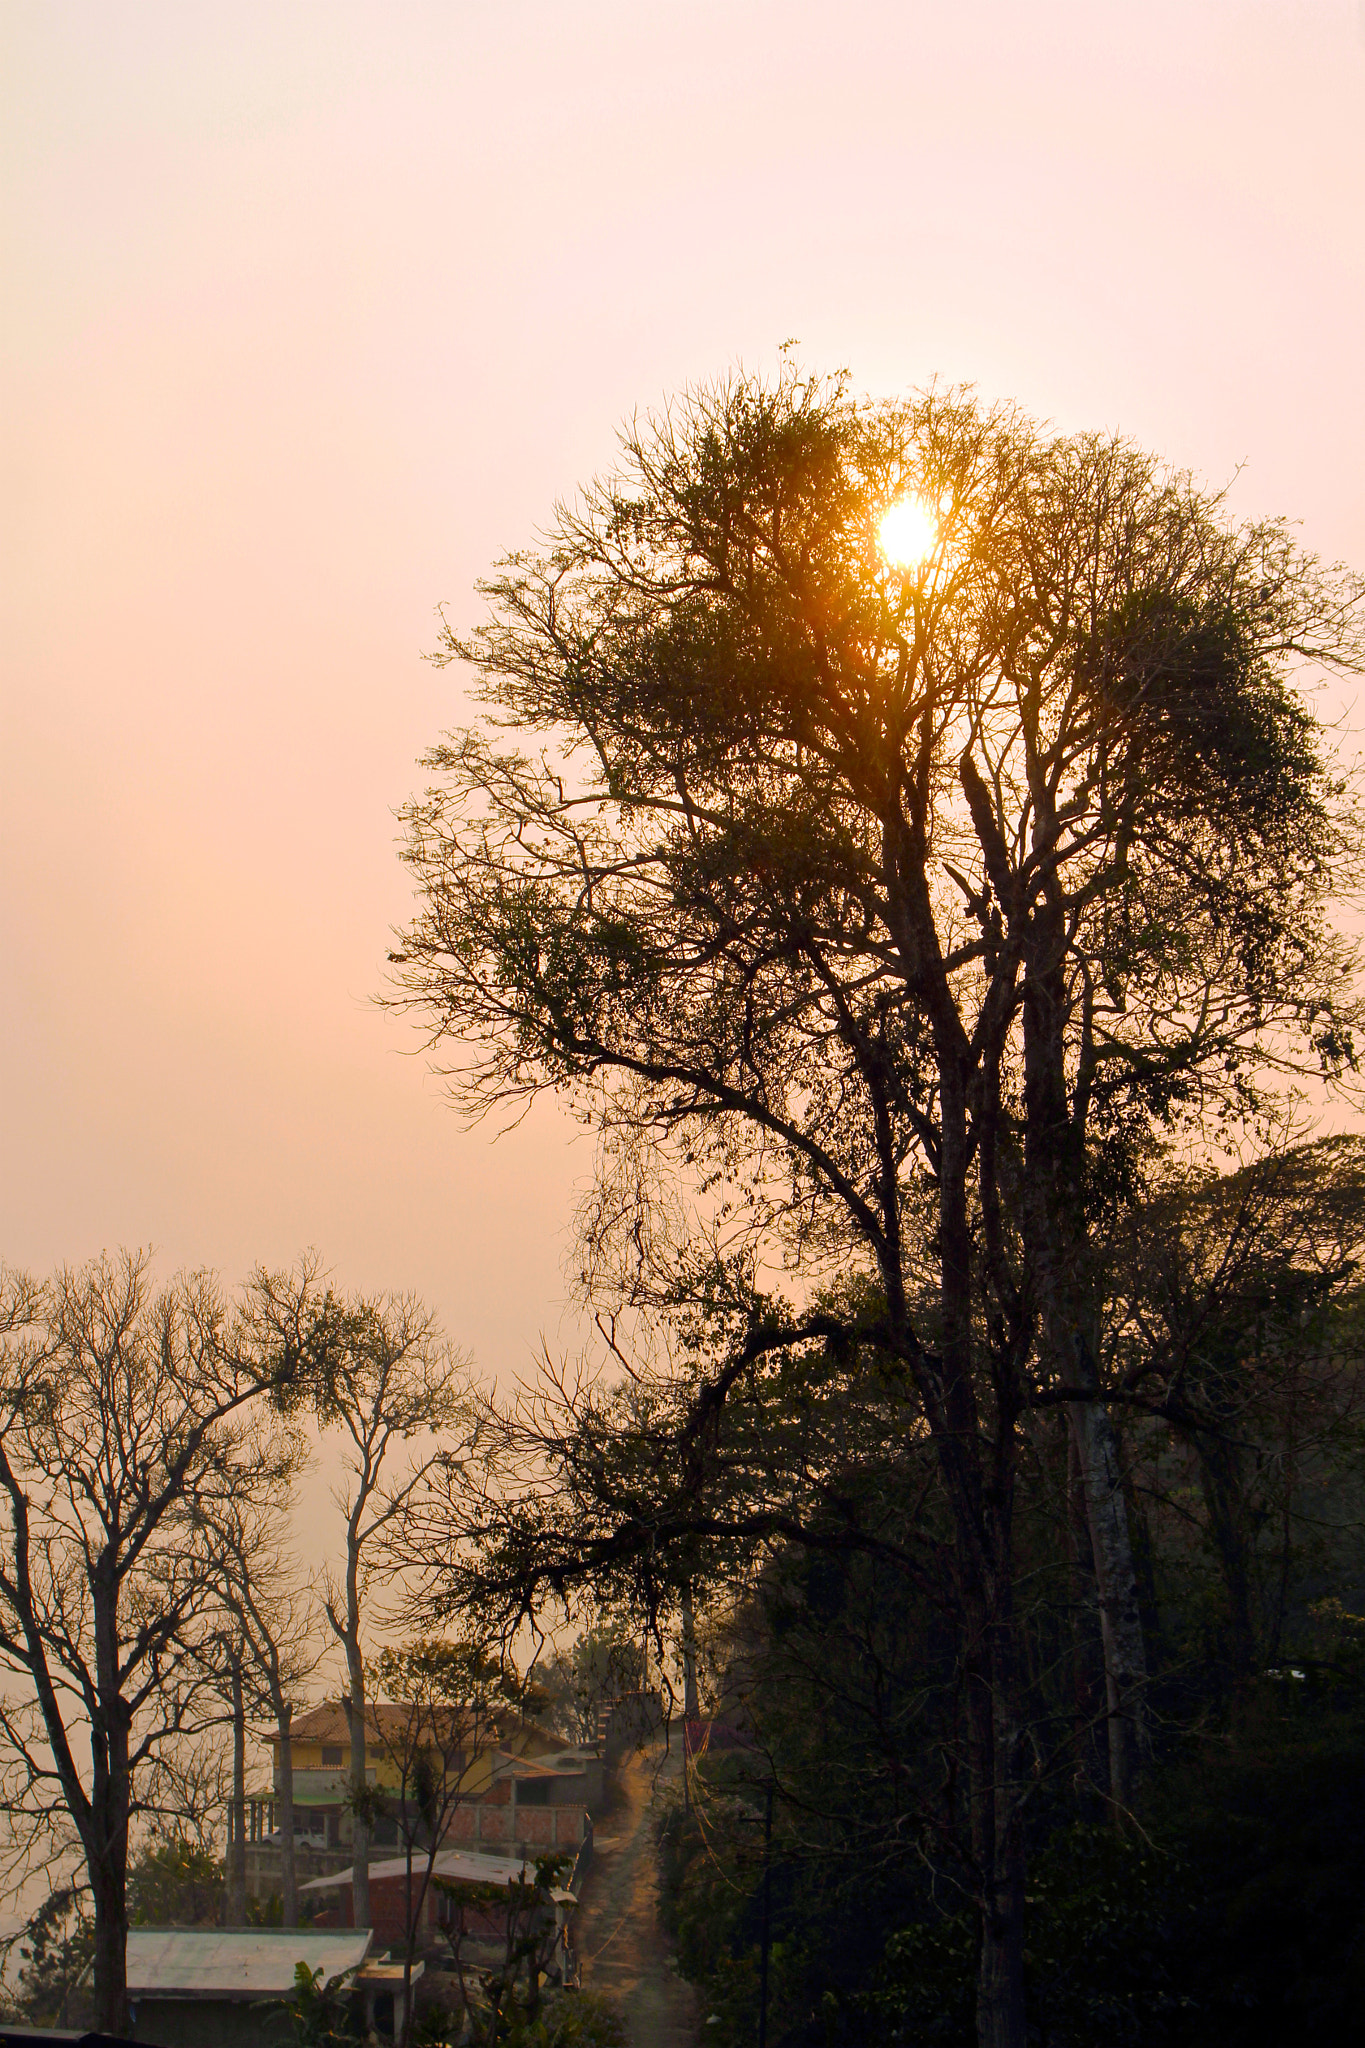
[[507, 1787]]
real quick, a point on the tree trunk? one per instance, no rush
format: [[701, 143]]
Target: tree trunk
[[284, 1813], [105, 1836], [1140, 1532], [111, 1948], [691, 1709], [1220, 1482], [236, 1871], [1000, 2015], [1125, 1652], [107, 1863], [1058, 1253], [996, 1832], [360, 1806], [1081, 1560], [980, 1487], [409, 1942]]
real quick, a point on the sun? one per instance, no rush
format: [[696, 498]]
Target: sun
[[908, 532]]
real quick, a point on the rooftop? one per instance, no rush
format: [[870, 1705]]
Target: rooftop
[[236, 1962], [452, 1866], [387, 1721]]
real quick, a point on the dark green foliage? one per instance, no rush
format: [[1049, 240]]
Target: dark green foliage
[[848, 1683], [1103, 1912], [572, 2020], [175, 1883], [495, 2004], [323, 2014], [54, 1950], [1233, 1917], [897, 926], [577, 1682], [921, 1991], [1102, 1932], [1203, 713], [1269, 1824]]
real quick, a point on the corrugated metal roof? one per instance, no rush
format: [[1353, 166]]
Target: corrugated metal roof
[[456, 1866], [236, 1962]]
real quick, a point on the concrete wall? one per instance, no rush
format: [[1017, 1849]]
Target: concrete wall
[[263, 1866]]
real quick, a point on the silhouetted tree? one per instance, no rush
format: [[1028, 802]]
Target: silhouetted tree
[[383, 1375], [894, 910], [123, 1420], [281, 1650]]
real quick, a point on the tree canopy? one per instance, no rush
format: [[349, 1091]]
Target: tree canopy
[[890, 919]]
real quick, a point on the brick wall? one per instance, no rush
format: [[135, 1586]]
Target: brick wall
[[479, 1823]]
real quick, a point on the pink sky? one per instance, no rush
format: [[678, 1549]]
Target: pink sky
[[310, 311]]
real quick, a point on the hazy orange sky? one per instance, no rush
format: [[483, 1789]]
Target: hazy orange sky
[[310, 311]]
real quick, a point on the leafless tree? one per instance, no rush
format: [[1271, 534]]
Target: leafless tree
[[385, 1378], [226, 1655], [278, 1649], [123, 1418]]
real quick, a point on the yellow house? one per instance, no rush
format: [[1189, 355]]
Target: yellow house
[[480, 1764]]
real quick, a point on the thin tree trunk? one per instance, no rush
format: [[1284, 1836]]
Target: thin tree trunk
[[1221, 1486], [1125, 1651], [976, 1458], [983, 1505], [1080, 1558], [284, 1812], [360, 1809], [1140, 1531], [1055, 1240], [691, 1709], [993, 1735], [236, 1870], [414, 1916], [1000, 2014], [409, 1942], [1057, 1250]]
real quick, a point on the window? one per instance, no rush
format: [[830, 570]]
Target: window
[[331, 1756]]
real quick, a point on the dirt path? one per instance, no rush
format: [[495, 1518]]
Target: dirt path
[[622, 1949]]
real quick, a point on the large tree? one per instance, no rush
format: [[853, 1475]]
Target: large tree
[[123, 1430], [834, 887]]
